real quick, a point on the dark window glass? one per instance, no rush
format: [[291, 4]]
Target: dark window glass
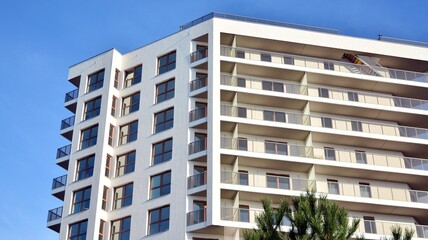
[[273, 116], [165, 90], [164, 120], [104, 200], [113, 106], [330, 153], [131, 104], [242, 112], [95, 81], [116, 78], [357, 126], [77, 231], [265, 57], [81, 200], [159, 220], [101, 230], [121, 229], [289, 60], [276, 147], [162, 151], [125, 164], [277, 181], [361, 156], [85, 167], [107, 170], [326, 122], [160, 185], [128, 132], [329, 65], [369, 224], [242, 144], [88, 137], [133, 76], [240, 54], [243, 177], [241, 82], [323, 92], [110, 135], [92, 108], [353, 96], [123, 196], [166, 63], [244, 213]]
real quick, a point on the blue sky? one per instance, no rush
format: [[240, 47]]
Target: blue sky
[[39, 40]]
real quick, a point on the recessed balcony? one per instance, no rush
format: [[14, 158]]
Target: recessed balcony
[[198, 87], [63, 156], [54, 219], [58, 187], [66, 129], [196, 217], [70, 101], [196, 184], [197, 149], [198, 118], [199, 59]]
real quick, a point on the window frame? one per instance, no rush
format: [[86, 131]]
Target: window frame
[[170, 63], [83, 201], [79, 227], [130, 136], [121, 229], [128, 166], [164, 184], [134, 104], [162, 152], [125, 198], [85, 170], [135, 79], [335, 183], [104, 201], [95, 109], [326, 122], [98, 83], [166, 123], [167, 93], [323, 92], [327, 153], [88, 142], [277, 182], [276, 150], [159, 220]]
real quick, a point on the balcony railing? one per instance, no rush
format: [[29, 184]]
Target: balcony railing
[[197, 180], [71, 95], [59, 182], [54, 214], [197, 216], [331, 93], [326, 64], [198, 55], [63, 151], [320, 121], [198, 146], [336, 154], [197, 114], [68, 122], [343, 189], [198, 83]]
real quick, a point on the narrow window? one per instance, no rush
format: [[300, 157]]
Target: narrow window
[[243, 177], [369, 224], [242, 112], [116, 79], [158, 220], [101, 230], [166, 62], [104, 200], [244, 213], [123, 196], [242, 144], [113, 106], [107, 169], [110, 135]]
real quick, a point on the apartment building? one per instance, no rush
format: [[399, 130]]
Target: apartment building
[[181, 138]]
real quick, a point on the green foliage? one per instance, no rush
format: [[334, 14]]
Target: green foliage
[[397, 233]]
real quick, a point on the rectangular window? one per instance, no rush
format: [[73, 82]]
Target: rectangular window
[[123, 196], [166, 62], [242, 112], [160, 185], [276, 147], [77, 231], [162, 151], [108, 162], [323, 92], [121, 229], [164, 120], [369, 224], [333, 186], [240, 53], [277, 181], [244, 213], [125, 164], [85, 167], [361, 156], [329, 153], [242, 82], [265, 57], [329, 66], [116, 78], [357, 126], [289, 60], [353, 96], [273, 116], [92, 108], [130, 103], [365, 190], [243, 177], [113, 106], [165, 90], [132, 76], [88, 137], [105, 197], [326, 122], [101, 230], [242, 144], [95, 81], [110, 135], [128, 132], [81, 200], [158, 220]]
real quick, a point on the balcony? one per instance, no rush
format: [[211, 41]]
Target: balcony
[[198, 83], [324, 64], [66, 129], [63, 155], [58, 186], [198, 55], [198, 146], [70, 101], [54, 219], [197, 118], [197, 216], [197, 180]]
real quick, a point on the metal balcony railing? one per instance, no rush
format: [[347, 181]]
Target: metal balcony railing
[[198, 113], [59, 182], [326, 64], [54, 214], [197, 180], [71, 95], [68, 122], [197, 216], [63, 151], [198, 146], [198, 83], [198, 55]]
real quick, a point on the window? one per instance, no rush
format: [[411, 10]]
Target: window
[[165, 90], [289, 60], [243, 177], [323, 92], [365, 190], [88, 137], [244, 213], [273, 86], [104, 200], [277, 181], [240, 53], [81, 200], [329, 65], [128, 132], [333, 186], [164, 120], [159, 220], [121, 229], [132, 76], [276, 147], [123, 196], [369, 224], [95, 81], [160, 185], [108, 162], [357, 126], [353, 96], [199, 212], [242, 144], [242, 82], [92, 108], [166, 62], [265, 57], [242, 112], [361, 156], [329, 153], [273, 116], [116, 78], [326, 122], [162, 151], [113, 106], [131, 103], [125, 164], [85, 167], [101, 230], [110, 135], [77, 231]]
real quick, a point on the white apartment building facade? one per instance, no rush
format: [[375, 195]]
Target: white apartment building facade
[[181, 138]]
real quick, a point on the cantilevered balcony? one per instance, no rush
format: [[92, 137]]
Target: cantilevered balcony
[[63, 156], [54, 219], [198, 146], [58, 186], [67, 126], [196, 217], [70, 101], [197, 117], [196, 184], [198, 55], [325, 64]]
